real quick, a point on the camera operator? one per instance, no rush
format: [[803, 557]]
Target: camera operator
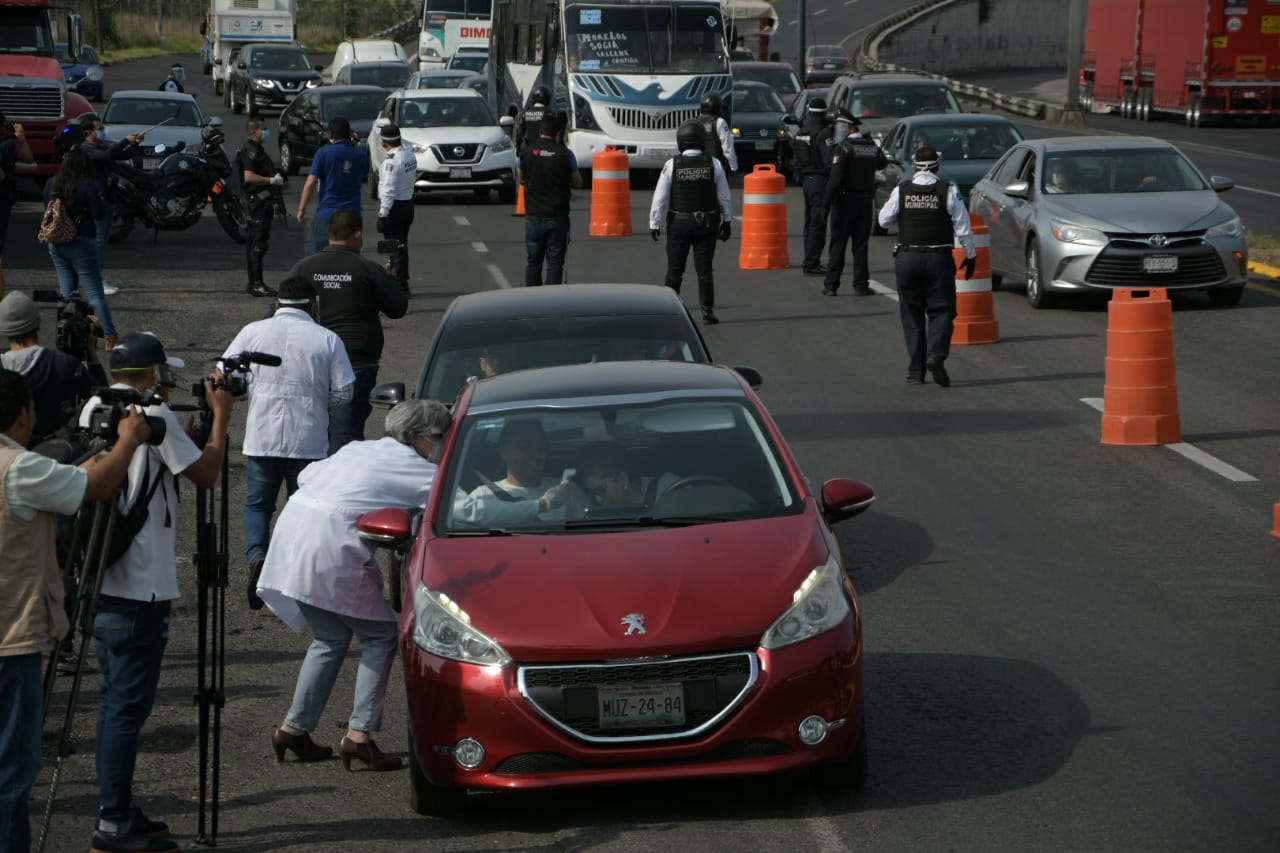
[[132, 624], [351, 292], [57, 380], [14, 149], [289, 405], [32, 620]]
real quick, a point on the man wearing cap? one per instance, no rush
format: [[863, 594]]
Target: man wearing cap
[[812, 149], [58, 381], [336, 174], [131, 628], [14, 149], [396, 177], [288, 422], [548, 170], [930, 218], [849, 194]]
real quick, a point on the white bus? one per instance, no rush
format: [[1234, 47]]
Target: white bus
[[446, 24], [627, 72]]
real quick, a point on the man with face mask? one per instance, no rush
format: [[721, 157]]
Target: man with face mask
[[848, 194], [173, 83], [812, 149], [102, 154], [258, 174]]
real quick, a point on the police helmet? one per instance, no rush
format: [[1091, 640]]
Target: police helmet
[[712, 103], [542, 95], [817, 107], [926, 159], [691, 134], [847, 117]]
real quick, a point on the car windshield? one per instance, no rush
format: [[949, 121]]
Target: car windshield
[[826, 52], [649, 39], [653, 462], [468, 62], [87, 55], [963, 141], [25, 31], [280, 60], [756, 99], [442, 81], [386, 76], [150, 111], [898, 101], [1127, 170], [358, 106], [483, 349], [780, 79], [445, 112]]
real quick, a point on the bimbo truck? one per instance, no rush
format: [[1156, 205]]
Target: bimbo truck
[[32, 90], [231, 23], [450, 24]]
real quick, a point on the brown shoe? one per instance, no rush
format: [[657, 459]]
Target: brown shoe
[[302, 746], [367, 752]]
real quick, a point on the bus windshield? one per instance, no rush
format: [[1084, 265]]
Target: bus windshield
[[646, 39], [472, 9]]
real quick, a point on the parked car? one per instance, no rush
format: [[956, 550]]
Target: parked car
[[223, 86], [441, 78], [681, 613], [778, 76], [467, 58], [459, 143], [1074, 214], [139, 110], [879, 100], [386, 74], [759, 131], [823, 63], [365, 50], [304, 124], [82, 73], [269, 76]]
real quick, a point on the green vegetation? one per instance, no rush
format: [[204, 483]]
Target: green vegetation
[[1263, 248], [148, 46]]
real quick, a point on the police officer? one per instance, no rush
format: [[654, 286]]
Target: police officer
[[930, 218], [719, 138], [396, 177], [258, 175], [548, 170], [173, 83], [812, 149], [848, 195], [698, 191], [531, 119]]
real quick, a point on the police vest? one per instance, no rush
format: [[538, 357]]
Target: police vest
[[253, 158], [547, 173], [712, 147], [693, 185], [812, 150], [922, 215], [530, 120], [861, 157]]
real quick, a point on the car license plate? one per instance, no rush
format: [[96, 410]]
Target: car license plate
[[457, 173], [1160, 263], [828, 65], [764, 146], [1249, 95], [643, 705]]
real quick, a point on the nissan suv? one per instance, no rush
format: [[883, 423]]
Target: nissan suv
[[269, 76]]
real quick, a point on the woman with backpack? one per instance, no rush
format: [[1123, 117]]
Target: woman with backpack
[[72, 204]]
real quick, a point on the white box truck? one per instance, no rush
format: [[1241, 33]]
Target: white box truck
[[237, 22]]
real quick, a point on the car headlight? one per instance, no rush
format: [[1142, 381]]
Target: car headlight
[[264, 84], [444, 629], [737, 131], [419, 149], [94, 74], [1233, 227], [501, 145], [818, 605], [1069, 233]]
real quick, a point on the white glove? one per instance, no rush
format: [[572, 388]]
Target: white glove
[[277, 180]]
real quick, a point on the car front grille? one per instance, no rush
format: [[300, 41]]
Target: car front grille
[[554, 762], [458, 154], [639, 119], [567, 697], [31, 100], [1120, 264]]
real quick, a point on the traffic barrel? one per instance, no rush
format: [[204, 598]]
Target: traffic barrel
[[975, 321], [519, 202], [610, 193], [1140, 397], [1275, 530], [764, 220]]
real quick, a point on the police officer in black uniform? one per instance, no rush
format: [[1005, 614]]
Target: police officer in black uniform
[[848, 195], [531, 119], [258, 176], [692, 196], [812, 149], [719, 139]]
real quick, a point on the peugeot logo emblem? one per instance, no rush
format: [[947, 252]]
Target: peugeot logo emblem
[[458, 151], [634, 623], [1158, 240]]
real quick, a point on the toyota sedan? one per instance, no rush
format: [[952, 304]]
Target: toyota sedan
[[622, 575]]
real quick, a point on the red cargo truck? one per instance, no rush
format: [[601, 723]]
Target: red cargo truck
[[1194, 58]]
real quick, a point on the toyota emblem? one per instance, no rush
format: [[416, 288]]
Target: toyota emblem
[[459, 151], [1158, 240]]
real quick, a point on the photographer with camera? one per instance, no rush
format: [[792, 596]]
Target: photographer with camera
[[58, 380], [289, 406], [131, 628], [14, 149], [354, 291], [33, 491], [102, 156]]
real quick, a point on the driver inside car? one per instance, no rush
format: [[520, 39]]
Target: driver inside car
[[523, 495]]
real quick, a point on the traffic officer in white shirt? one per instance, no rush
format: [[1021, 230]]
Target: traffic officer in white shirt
[[396, 178], [930, 218], [288, 422]]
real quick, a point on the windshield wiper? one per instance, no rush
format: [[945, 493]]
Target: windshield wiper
[[492, 531], [644, 521]]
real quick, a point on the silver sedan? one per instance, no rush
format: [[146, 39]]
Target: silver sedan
[[1074, 214]]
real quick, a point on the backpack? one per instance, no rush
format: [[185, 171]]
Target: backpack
[[129, 522], [57, 227]]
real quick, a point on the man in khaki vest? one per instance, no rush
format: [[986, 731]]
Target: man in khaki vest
[[33, 489]]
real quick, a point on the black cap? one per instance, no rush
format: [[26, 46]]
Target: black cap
[[817, 105], [390, 133], [137, 350], [848, 118]]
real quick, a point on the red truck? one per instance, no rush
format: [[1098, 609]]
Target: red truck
[[32, 89], [1196, 58]]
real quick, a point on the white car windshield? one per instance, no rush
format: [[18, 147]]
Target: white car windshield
[[150, 111], [445, 112]]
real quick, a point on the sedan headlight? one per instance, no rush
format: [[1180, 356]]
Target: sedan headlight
[[264, 84], [737, 131], [443, 628], [503, 144], [94, 74], [1066, 232], [419, 149], [1233, 227], [818, 605]]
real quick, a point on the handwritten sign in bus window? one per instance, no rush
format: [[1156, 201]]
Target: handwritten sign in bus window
[[589, 17], [605, 50]]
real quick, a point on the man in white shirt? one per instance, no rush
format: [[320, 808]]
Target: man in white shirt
[[396, 178], [523, 495], [288, 422]]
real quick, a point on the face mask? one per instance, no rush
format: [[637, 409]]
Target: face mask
[[179, 74], [841, 133], [266, 134]]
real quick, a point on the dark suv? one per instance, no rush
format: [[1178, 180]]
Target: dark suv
[[879, 100], [269, 76]]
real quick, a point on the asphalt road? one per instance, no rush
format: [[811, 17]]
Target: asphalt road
[[1070, 646]]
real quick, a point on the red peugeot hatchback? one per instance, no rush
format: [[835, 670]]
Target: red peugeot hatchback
[[622, 575]]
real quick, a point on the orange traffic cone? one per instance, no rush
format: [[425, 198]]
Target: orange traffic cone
[[975, 321], [610, 193], [764, 220], [1275, 531], [519, 202], [1140, 398]]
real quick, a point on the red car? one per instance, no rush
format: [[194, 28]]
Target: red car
[[622, 575], [778, 76]]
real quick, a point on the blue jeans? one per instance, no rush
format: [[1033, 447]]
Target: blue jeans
[[22, 697], [79, 267], [318, 238], [104, 230], [263, 476], [545, 237], [130, 637], [346, 423], [332, 632]]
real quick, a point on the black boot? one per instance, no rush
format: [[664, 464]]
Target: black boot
[[707, 296], [709, 317]]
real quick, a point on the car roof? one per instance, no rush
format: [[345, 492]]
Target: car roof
[[891, 79], [348, 89], [953, 119], [750, 84], [151, 95], [603, 379], [371, 63], [755, 63], [565, 300], [1068, 143], [428, 94], [266, 45]]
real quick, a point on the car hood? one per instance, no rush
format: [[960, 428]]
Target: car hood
[[1140, 212], [169, 136], [77, 69], [450, 135], [967, 172], [702, 588], [757, 120]]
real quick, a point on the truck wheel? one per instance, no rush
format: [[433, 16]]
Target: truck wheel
[[217, 88]]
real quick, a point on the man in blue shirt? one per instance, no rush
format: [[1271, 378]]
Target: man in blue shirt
[[338, 169]]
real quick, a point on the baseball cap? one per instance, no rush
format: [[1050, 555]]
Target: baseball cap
[[18, 315], [137, 350]]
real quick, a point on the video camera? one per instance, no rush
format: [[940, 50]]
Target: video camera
[[236, 372], [104, 419], [74, 327]]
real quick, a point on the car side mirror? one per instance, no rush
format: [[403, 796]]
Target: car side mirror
[[217, 60], [387, 394], [1018, 189], [214, 121], [319, 67], [749, 375], [507, 122], [242, 66], [385, 528], [1221, 184], [790, 119], [843, 498]]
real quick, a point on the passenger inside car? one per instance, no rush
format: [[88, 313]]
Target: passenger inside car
[[1061, 178], [523, 494], [611, 479]]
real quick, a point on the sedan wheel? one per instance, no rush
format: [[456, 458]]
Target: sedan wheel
[[236, 106], [287, 162], [1036, 294], [426, 798]]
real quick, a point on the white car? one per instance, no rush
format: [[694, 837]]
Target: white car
[[365, 50], [166, 118], [459, 144]]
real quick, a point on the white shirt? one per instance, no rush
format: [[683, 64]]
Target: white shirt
[[955, 209], [148, 571], [289, 405], [726, 143], [36, 483], [662, 192], [396, 177], [483, 508], [316, 555]]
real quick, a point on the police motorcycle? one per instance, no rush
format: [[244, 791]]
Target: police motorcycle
[[172, 196]]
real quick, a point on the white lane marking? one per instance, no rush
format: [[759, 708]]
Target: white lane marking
[[481, 248], [883, 290], [1256, 190], [818, 12], [461, 220], [498, 276], [850, 2], [1191, 452], [793, 22]]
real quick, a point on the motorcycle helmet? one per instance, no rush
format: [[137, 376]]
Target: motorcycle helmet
[[712, 103], [212, 135], [691, 134], [542, 95]]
